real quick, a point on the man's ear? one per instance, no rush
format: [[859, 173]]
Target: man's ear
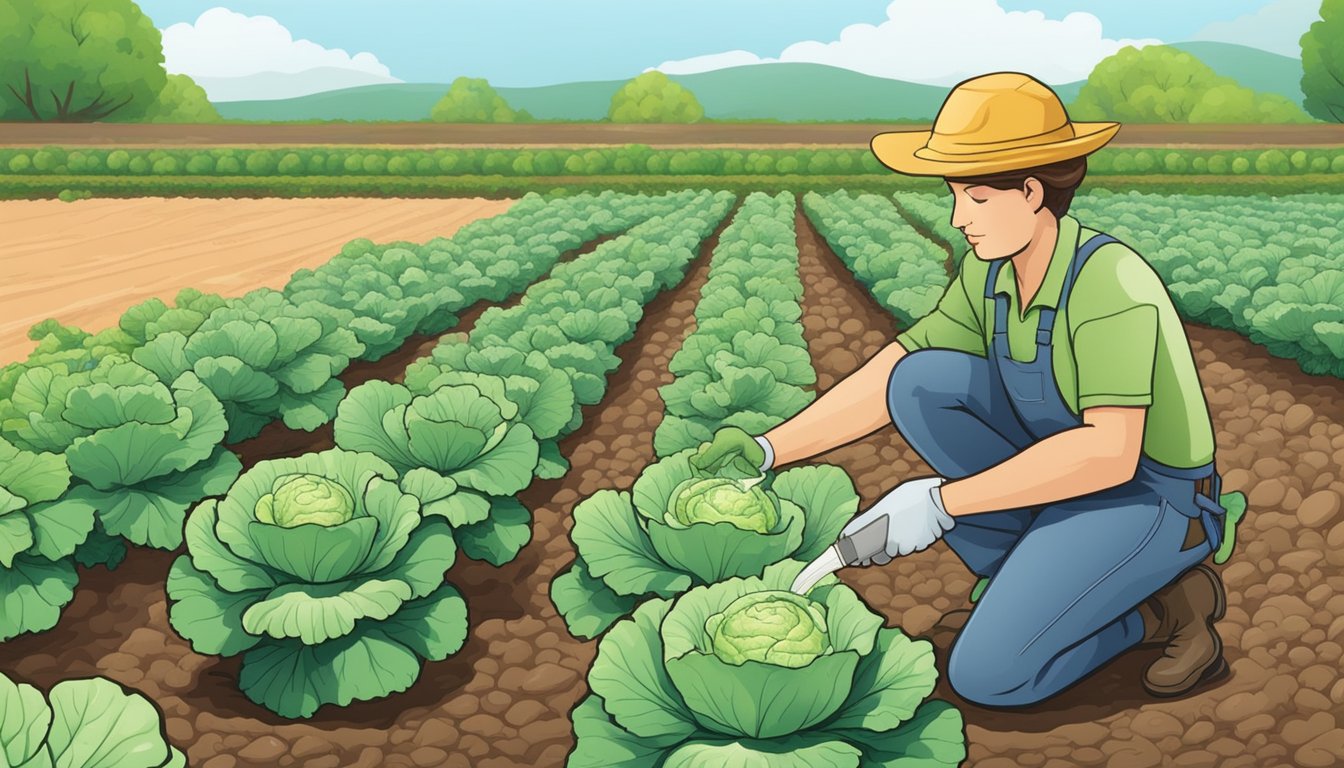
[[1035, 193]]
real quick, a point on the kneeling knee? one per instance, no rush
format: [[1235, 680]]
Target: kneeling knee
[[926, 378], [989, 677]]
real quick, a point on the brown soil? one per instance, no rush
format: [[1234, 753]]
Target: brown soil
[[581, 134], [1280, 440], [503, 700], [84, 263]]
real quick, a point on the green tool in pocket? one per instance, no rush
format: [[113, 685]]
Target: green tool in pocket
[[1235, 504]]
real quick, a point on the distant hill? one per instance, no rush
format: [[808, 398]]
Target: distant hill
[[780, 91], [777, 91], [287, 85], [1256, 69]]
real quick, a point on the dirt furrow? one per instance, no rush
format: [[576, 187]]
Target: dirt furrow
[[1280, 440]]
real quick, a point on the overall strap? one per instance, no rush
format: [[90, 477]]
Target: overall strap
[[1046, 326], [1000, 303]]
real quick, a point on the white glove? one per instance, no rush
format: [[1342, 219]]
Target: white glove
[[915, 517], [769, 452]]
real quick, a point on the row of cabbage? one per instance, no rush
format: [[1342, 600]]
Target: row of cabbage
[[687, 574], [82, 723], [746, 364], [110, 437], [326, 571], [904, 271], [931, 213], [1270, 268]]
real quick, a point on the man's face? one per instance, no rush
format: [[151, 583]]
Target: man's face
[[997, 223]]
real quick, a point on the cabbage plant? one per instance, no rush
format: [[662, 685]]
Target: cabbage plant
[[680, 527], [458, 448], [40, 531], [88, 723], [141, 451], [324, 575], [744, 673]]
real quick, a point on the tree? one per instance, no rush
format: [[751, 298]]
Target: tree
[[180, 101], [1323, 63], [77, 60], [1161, 84], [472, 100], [654, 98]]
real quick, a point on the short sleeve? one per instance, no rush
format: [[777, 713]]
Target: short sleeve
[[953, 324], [1115, 356]]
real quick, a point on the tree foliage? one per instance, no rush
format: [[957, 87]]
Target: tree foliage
[[182, 101], [474, 100], [1161, 84], [654, 98], [1323, 63], [68, 61]]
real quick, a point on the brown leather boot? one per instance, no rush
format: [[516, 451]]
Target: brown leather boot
[[1181, 616]]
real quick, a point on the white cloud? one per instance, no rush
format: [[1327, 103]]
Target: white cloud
[[942, 42], [224, 44], [1276, 27]]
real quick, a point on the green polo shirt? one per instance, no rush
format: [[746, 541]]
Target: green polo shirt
[[1119, 342]]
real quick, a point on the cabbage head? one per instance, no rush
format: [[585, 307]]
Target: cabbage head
[[778, 628], [743, 673], [324, 575], [140, 451], [459, 449], [85, 723], [679, 528]]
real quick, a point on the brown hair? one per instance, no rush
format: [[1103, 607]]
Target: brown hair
[[1060, 180]]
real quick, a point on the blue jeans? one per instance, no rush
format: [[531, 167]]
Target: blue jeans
[[1066, 578]]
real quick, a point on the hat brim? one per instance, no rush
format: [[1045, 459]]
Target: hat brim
[[901, 152]]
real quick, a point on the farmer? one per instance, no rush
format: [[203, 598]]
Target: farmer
[[1054, 392]]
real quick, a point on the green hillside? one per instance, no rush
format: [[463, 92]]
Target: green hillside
[[779, 91], [784, 91], [1256, 69]]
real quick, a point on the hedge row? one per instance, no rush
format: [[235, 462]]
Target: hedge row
[[628, 160]]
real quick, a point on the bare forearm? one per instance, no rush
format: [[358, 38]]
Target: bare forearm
[[1072, 463], [853, 408]]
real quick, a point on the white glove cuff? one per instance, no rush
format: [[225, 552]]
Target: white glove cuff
[[769, 452], [944, 519]]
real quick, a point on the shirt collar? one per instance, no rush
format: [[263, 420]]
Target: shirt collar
[[1048, 293]]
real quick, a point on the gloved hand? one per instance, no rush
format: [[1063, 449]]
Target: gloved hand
[[730, 444], [915, 519]]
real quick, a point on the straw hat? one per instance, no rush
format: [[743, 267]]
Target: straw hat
[[1003, 121]]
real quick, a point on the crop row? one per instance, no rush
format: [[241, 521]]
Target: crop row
[[902, 269], [930, 213], [746, 364], [631, 159], [111, 437], [1272, 270]]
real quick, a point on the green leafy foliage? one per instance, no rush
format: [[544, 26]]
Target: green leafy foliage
[[1161, 84], [181, 101], [709, 679], [680, 527], [903, 270], [1323, 63], [324, 575], [472, 100], [87, 723], [141, 451], [746, 363], [78, 62], [653, 97]]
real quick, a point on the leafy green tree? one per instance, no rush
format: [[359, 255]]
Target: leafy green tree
[[1161, 84], [473, 100], [1323, 63], [68, 61], [182, 101], [654, 98]]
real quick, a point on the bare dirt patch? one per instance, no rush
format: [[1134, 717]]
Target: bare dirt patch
[[84, 263]]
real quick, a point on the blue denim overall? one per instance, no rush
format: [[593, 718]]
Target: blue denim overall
[[1066, 577]]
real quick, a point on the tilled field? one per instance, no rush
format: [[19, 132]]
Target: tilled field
[[504, 700]]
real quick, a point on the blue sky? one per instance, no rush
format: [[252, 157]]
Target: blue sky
[[535, 42]]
